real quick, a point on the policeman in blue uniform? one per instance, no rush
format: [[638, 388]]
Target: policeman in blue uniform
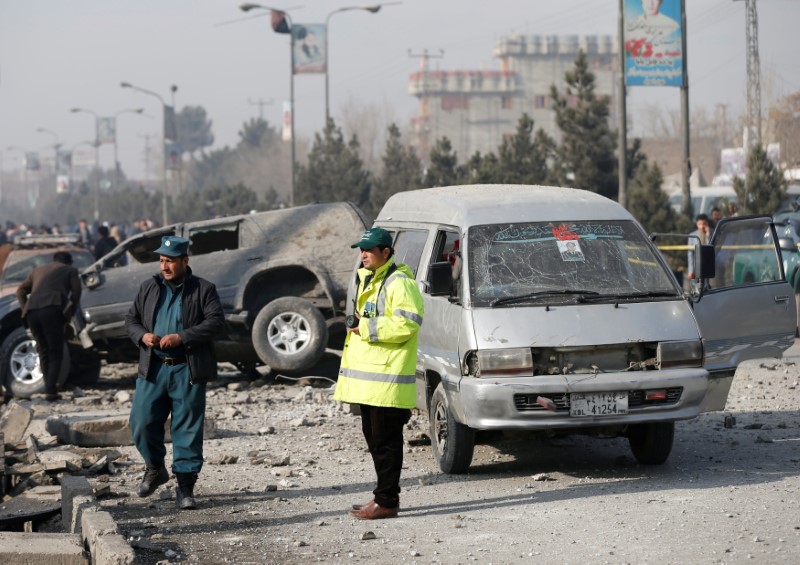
[[173, 321]]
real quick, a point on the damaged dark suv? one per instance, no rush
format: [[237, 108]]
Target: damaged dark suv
[[282, 277]]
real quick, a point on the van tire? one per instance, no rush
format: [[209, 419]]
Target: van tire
[[20, 380], [453, 443], [289, 335], [651, 443]]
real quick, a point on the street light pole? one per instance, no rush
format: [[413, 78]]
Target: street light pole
[[165, 215], [116, 154], [372, 9], [96, 160], [246, 7]]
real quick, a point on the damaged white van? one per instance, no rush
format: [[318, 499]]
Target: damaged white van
[[550, 309]]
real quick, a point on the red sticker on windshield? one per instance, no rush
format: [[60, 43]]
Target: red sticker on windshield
[[563, 233]]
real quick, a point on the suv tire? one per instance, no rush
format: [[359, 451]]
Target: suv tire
[[453, 443], [20, 371], [290, 334]]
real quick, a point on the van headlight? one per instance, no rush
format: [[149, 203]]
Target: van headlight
[[673, 354], [500, 362]]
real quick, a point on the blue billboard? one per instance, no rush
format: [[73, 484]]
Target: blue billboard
[[653, 43]]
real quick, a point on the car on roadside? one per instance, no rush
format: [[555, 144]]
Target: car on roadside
[[20, 371], [282, 277], [550, 310]]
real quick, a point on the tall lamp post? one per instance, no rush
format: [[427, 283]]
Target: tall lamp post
[[116, 149], [96, 159], [246, 7], [165, 215], [372, 9], [56, 146]]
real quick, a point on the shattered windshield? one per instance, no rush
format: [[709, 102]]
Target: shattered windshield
[[564, 262]]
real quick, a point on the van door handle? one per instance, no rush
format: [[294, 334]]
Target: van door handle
[[781, 299], [254, 258]]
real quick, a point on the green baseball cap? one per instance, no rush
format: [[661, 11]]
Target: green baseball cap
[[373, 238]]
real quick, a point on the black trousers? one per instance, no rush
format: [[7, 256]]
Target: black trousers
[[47, 326], [383, 430]]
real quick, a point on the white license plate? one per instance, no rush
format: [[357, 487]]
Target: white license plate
[[598, 403]]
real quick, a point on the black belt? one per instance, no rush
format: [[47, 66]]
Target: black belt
[[173, 360]]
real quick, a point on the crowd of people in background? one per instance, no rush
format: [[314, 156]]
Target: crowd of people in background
[[98, 237]]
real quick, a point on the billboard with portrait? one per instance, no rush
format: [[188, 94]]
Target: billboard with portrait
[[653, 43], [106, 130], [308, 48]]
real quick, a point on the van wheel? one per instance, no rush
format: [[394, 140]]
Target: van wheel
[[651, 443], [453, 443], [20, 370], [289, 334]]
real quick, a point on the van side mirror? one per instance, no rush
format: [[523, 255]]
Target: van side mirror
[[440, 278], [705, 262]]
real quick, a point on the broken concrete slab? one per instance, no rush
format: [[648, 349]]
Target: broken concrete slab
[[81, 504], [14, 422], [24, 508], [102, 428], [72, 487], [99, 533], [42, 549]]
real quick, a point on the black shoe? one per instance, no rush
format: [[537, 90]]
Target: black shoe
[[52, 397], [153, 478], [184, 494]]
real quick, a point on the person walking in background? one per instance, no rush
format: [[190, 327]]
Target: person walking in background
[[173, 320], [379, 364], [86, 233], [105, 243], [702, 235], [48, 298]]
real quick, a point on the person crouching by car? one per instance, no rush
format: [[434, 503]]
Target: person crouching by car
[[48, 298], [172, 321], [379, 364]]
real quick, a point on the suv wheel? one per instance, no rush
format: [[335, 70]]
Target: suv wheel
[[453, 443], [19, 365], [289, 334]]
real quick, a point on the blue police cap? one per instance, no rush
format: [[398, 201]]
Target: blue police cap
[[173, 246]]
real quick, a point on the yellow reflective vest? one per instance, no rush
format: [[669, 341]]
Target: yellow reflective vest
[[379, 365]]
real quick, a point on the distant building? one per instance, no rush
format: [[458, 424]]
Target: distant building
[[475, 109]]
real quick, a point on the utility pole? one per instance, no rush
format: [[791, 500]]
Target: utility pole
[[622, 197], [753, 75], [260, 103]]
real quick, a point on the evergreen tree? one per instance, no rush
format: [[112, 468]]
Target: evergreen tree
[[585, 157], [444, 169], [257, 133], [523, 158], [335, 171], [764, 187], [650, 204], [402, 171], [482, 169], [194, 129]]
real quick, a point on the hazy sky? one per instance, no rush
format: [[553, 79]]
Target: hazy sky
[[59, 54]]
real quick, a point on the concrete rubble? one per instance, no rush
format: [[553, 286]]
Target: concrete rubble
[[41, 478]]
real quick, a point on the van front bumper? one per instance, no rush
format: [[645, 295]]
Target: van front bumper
[[510, 403]]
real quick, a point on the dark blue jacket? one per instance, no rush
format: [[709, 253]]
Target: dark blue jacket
[[203, 320]]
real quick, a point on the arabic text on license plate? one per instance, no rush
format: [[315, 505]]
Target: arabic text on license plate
[[598, 403]]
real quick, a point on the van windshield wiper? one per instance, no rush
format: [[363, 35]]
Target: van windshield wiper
[[530, 295], [632, 295]]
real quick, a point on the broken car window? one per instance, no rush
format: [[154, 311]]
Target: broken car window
[[558, 262]]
